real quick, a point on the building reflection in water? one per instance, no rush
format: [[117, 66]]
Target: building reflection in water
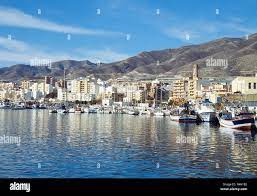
[[143, 140]]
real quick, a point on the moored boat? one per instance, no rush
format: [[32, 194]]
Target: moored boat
[[71, 110], [39, 106], [133, 112], [52, 111], [62, 110], [92, 110], [184, 118], [241, 122], [159, 113], [78, 110], [143, 112], [186, 115], [206, 111], [5, 105], [19, 106]]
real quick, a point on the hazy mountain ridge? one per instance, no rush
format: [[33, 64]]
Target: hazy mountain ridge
[[240, 53]]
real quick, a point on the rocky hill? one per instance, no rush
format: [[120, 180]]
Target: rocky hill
[[239, 53]]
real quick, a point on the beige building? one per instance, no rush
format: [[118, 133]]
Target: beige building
[[140, 96], [245, 85], [192, 89], [3, 95], [25, 84], [80, 86], [81, 89], [180, 89], [7, 85], [187, 88]]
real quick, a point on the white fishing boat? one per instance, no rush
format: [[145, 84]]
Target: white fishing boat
[[92, 110], [5, 105], [104, 110], [159, 113], [133, 112], [107, 111], [71, 110], [89, 110], [62, 110], [53, 111], [42, 106], [208, 116], [39, 106], [19, 106], [120, 111], [78, 109], [185, 115], [100, 111], [143, 112], [150, 112], [242, 122], [206, 111], [86, 110], [184, 118]]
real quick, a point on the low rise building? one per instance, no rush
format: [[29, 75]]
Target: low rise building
[[245, 85]]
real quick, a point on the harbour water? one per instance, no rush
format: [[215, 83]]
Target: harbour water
[[120, 146]]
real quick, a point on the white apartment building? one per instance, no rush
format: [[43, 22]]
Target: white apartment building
[[62, 94], [134, 95], [39, 90], [3, 94], [81, 89], [245, 85], [48, 89]]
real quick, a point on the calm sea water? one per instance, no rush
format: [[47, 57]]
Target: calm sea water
[[120, 146]]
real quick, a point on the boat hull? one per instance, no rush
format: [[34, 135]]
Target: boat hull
[[240, 124], [135, 113], [184, 118], [208, 116], [159, 114], [18, 108], [62, 111]]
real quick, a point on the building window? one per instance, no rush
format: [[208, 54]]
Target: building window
[[254, 85], [250, 85]]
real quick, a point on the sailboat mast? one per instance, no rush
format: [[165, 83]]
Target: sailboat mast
[[155, 100], [161, 96]]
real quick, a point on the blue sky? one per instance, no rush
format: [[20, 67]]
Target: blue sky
[[122, 29]]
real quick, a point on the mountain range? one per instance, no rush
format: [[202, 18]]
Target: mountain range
[[240, 54]]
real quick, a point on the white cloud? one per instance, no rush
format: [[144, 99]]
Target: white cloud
[[13, 44], [14, 51], [104, 55], [197, 30], [26, 56], [241, 28], [17, 18], [201, 31], [181, 34]]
